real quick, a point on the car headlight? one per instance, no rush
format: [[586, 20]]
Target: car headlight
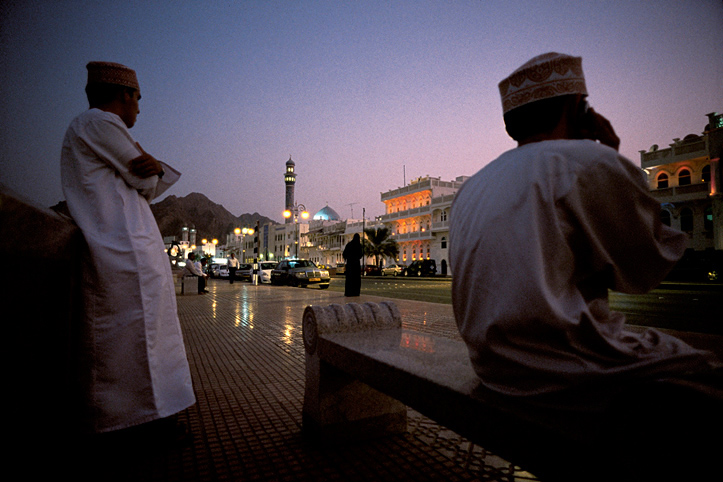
[[324, 274], [300, 274]]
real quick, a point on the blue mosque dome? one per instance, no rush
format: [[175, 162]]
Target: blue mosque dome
[[327, 214]]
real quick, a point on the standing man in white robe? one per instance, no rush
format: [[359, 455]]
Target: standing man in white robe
[[136, 370]]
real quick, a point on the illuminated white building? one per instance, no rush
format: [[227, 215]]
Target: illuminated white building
[[418, 218]]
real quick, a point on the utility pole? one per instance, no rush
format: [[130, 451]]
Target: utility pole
[[255, 275], [364, 236], [352, 209]]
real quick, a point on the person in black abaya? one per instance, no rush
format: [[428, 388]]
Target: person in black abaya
[[352, 255]]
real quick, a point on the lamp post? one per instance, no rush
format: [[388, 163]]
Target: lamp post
[[250, 232], [241, 234], [297, 210]]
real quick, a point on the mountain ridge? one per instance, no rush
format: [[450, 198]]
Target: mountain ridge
[[195, 210]]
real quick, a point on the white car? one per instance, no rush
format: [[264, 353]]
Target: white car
[[393, 269], [265, 268], [223, 271]]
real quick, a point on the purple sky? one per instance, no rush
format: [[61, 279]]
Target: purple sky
[[360, 94]]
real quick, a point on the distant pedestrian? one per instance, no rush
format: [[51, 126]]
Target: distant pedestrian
[[352, 256], [135, 361], [233, 265], [201, 265]]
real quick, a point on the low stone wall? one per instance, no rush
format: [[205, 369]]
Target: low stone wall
[[41, 289]]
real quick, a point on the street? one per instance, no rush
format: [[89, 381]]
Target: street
[[692, 308]]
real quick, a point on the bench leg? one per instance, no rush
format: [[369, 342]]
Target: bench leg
[[338, 407]]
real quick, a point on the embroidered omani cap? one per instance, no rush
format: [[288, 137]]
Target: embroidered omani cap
[[545, 76], [112, 73]]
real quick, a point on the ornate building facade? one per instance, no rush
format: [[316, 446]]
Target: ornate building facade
[[418, 217], [686, 179]]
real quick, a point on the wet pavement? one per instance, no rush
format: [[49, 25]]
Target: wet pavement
[[246, 355]]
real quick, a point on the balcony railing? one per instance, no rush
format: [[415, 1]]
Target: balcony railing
[[676, 152], [440, 226], [445, 201], [691, 191], [408, 213], [413, 236]]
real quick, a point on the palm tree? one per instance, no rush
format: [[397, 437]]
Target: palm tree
[[379, 244]]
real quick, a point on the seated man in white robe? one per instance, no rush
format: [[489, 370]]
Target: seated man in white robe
[[540, 235], [193, 268]]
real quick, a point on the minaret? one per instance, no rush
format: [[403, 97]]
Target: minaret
[[290, 179]]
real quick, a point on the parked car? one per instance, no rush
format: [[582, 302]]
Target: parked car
[[340, 268], [265, 268], [393, 269], [214, 270], [300, 272], [422, 267], [244, 272], [223, 271], [372, 270]]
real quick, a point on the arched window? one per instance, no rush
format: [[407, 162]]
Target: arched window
[[662, 180], [686, 220], [684, 177], [665, 217], [705, 174]]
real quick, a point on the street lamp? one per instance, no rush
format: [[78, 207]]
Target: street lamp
[[297, 210], [243, 232]]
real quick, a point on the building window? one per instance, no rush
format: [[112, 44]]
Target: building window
[[662, 181], [708, 219], [686, 220], [705, 175], [443, 216], [665, 217], [684, 177], [444, 243]]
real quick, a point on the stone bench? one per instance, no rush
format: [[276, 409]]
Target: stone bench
[[363, 369], [184, 278]]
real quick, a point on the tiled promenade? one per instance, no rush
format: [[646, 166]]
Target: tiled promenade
[[247, 362], [246, 355]]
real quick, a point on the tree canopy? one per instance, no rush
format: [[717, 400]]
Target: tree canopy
[[378, 243]]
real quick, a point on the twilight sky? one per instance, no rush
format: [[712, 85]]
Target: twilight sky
[[361, 94]]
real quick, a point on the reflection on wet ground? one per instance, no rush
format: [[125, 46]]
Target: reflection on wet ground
[[246, 354]]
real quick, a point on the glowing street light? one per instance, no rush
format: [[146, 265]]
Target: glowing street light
[[297, 211]]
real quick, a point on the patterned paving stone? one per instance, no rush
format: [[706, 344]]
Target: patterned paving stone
[[246, 354]]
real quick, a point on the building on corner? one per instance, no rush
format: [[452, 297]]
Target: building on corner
[[686, 179], [417, 215]]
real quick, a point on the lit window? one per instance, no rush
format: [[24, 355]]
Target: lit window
[[708, 219]]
